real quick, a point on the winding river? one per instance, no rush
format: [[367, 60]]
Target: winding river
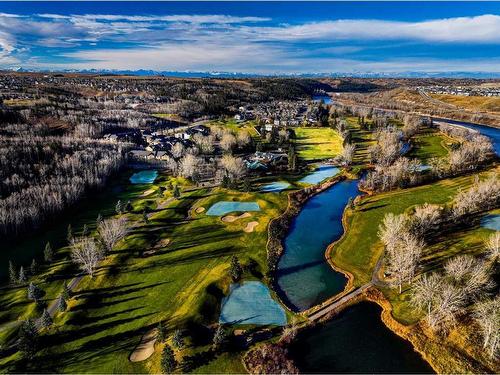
[[304, 277]]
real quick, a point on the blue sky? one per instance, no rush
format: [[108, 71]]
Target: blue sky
[[252, 37]]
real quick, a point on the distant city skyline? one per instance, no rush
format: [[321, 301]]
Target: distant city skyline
[[250, 37]]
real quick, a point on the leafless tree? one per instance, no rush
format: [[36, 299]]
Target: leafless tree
[[391, 228], [188, 166], [228, 142], [425, 217], [348, 154], [112, 230], [243, 138], [234, 166], [493, 247], [86, 253], [178, 150], [425, 294], [487, 316]]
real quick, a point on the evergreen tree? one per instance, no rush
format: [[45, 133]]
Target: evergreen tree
[[176, 193], [66, 292], [34, 292], [22, 276], [99, 219], [219, 337], [168, 362], [145, 217], [159, 192], [28, 339], [161, 332], [246, 184], [129, 207], [61, 304], [12, 274], [46, 320], [226, 181], [118, 207], [85, 230], [34, 267], [48, 254], [177, 340], [69, 236], [292, 159], [235, 269]]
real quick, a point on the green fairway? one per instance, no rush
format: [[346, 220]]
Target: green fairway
[[317, 143], [181, 284], [359, 249], [429, 144]]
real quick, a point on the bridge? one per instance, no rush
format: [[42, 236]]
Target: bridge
[[335, 304]]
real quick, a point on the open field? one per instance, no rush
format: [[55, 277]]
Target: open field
[[317, 143], [235, 126], [473, 103]]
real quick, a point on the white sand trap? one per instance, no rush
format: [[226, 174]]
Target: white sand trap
[[232, 218], [145, 348], [148, 192], [199, 210], [162, 243], [251, 226]]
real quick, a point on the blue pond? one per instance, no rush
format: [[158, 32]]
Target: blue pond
[[144, 177], [325, 98], [274, 187], [225, 207], [321, 173], [304, 277], [251, 303], [491, 222]]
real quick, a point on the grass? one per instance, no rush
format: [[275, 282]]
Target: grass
[[363, 139], [181, 285], [359, 249], [317, 143], [235, 126], [474, 103], [429, 144]]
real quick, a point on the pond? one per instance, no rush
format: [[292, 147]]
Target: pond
[[491, 221], [251, 303], [321, 173], [488, 131], [274, 187], [144, 177], [325, 98], [225, 207], [356, 341], [304, 278]]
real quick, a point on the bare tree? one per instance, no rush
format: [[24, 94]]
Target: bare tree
[[178, 150], [487, 316], [235, 167], [86, 253], [348, 154], [391, 228], [227, 142], [425, 294], [188, 166], [112, 230], [493, 247], [425, 218]]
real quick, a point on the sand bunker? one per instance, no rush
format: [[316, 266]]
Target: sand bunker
[[161, 243], [148, 192], [199, 210], [232, 218], [145, 348], [251, 226]]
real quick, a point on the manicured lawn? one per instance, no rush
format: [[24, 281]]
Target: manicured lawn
[[181, 284], [235, 126], [363, 139], [429, 144], [317, 143]]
